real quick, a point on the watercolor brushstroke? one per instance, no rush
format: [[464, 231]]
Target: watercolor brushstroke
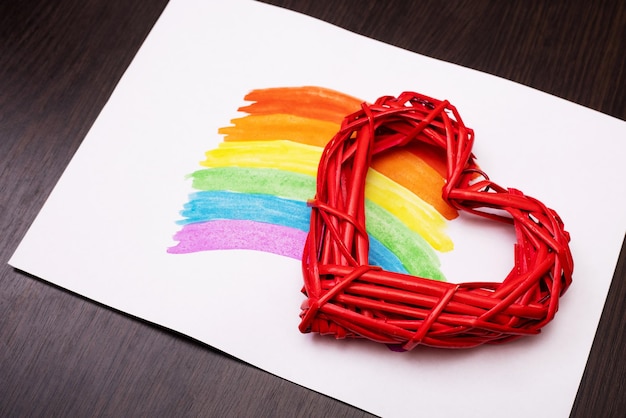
[[253, 190]]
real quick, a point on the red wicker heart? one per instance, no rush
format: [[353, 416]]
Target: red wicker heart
[[346, 297]]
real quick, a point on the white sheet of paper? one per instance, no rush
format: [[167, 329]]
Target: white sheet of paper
[[105, 228]]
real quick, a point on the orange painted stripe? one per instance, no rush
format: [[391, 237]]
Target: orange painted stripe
[[308, 102], [280, 127], [431, 155]]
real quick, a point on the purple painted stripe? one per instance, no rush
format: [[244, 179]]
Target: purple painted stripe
[[239, 235]]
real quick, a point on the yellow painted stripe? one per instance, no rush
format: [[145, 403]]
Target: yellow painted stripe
[[281, 155], [413, 211]]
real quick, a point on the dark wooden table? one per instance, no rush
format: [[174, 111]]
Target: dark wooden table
[[61, 355]]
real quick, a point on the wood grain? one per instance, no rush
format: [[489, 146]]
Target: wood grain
[[62, 355]]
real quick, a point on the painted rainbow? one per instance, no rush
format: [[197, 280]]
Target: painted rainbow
[[252, 192]]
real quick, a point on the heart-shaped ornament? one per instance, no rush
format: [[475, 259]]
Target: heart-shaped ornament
[[347, 297]]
